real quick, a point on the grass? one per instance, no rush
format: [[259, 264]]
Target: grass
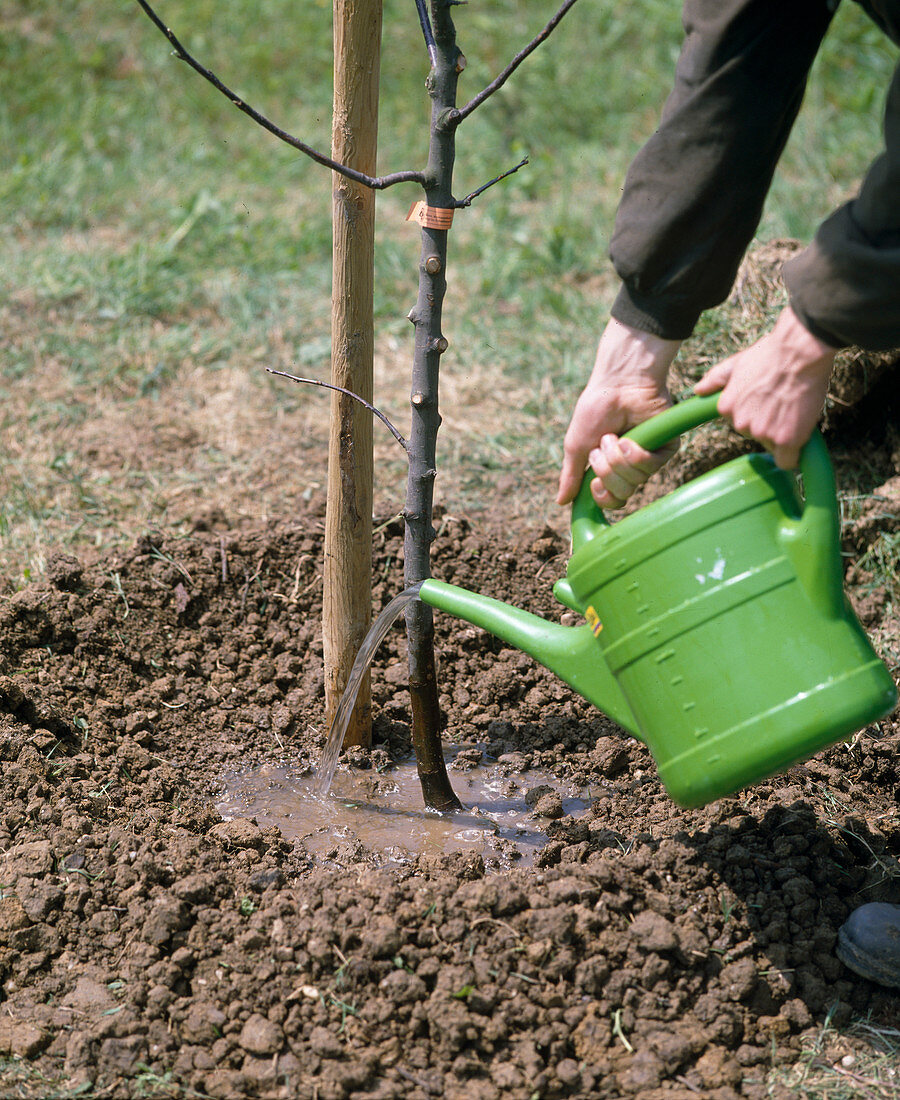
[[860, 1062], [21, 1081], [880, 561], [158, 251]]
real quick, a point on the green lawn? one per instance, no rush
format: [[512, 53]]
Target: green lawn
[[105, 130], [144, 222]]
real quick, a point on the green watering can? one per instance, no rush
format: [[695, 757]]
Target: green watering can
[[717, 627]]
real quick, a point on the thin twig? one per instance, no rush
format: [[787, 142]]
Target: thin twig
[[872, 1082], [340, 389], [467, 201], [425, 1086], [502, 923], [376, 183], [499, 81], [427, 32]]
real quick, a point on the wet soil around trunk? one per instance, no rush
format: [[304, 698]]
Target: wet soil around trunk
[[147, 947]]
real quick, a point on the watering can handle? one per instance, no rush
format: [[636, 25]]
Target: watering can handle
[[814, 534], [588, 519]]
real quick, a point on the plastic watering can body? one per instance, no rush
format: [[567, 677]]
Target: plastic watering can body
[[717, 627]]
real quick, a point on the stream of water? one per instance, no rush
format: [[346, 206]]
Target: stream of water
[[371, 642], [377, 811]]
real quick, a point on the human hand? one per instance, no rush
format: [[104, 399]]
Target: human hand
[[774, 391], [626, 387]]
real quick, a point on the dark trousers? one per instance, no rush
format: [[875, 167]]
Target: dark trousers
[[694, 194]]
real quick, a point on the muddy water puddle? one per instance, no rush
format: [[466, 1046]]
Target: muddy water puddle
[[380, 816]]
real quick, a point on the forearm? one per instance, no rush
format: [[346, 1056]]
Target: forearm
[[846, 286], [694, 194]]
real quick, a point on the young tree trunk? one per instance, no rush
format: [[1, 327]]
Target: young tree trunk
[[429, 346], [348, 555], [348, 524]]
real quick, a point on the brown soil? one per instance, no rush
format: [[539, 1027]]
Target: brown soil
[[149, 948]]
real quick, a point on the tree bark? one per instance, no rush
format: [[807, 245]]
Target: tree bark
[[430, 345], [347, 597]]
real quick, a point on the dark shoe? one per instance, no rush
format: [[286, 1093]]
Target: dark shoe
[[869, 943]]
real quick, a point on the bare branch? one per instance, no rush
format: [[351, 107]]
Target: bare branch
[[464, 112], [467, 201], [340, 389], [427, 32], [376, 183]]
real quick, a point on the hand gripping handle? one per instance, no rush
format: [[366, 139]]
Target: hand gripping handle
[[816, 531], [588, 519]]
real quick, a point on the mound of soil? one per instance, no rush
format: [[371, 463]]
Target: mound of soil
[[150, 948]]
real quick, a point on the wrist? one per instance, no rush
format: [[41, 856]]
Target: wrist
[[804, 346], [657, 346], [632, 354], [650, 313]]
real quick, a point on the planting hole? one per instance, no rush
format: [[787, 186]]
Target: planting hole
[[381, 814]]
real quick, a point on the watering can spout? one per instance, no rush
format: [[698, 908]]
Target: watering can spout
[[571, 652]]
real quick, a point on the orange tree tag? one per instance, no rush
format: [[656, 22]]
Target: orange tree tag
[[432, 217]]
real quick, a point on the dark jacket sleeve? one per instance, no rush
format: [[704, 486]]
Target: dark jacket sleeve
[[846, 286], [694, 194]]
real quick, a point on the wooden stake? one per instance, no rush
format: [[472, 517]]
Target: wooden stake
[[348, 522]]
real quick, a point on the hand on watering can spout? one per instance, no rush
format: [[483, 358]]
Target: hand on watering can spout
[[626, 387], [774, 391]]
